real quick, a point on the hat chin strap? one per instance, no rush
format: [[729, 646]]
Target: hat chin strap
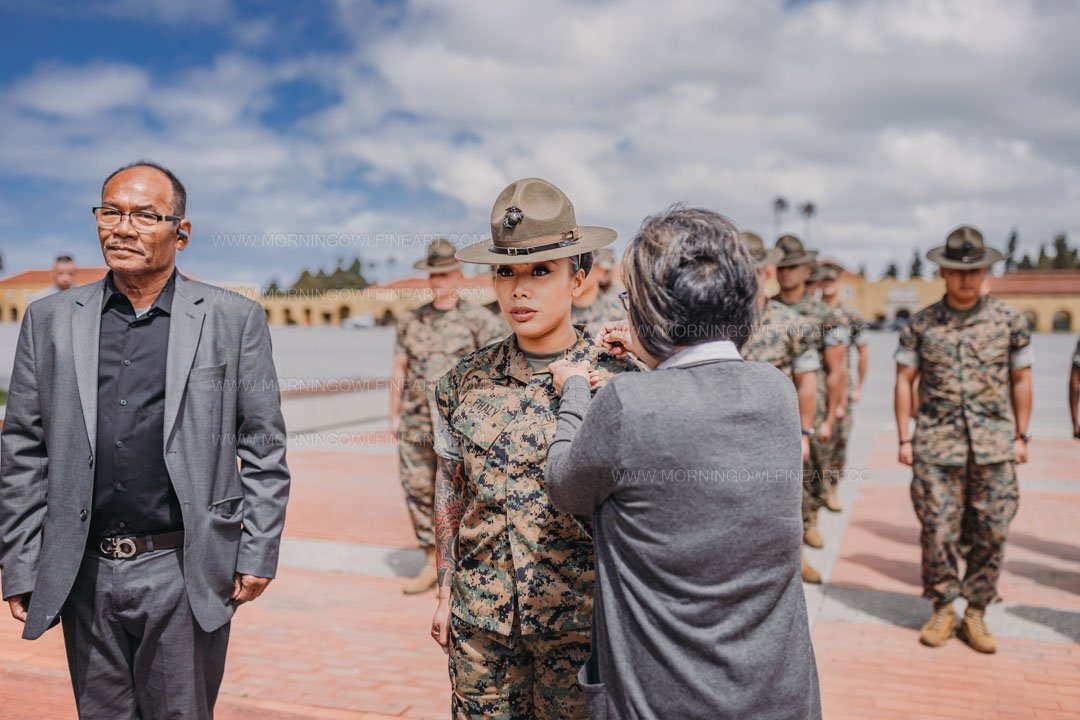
[[567, 239]]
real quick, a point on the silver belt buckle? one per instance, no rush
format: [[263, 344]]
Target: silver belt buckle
[[119, 548]]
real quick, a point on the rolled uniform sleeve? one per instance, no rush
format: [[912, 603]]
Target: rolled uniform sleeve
[[907, 353], [805, 357], [1021, 354], [835, 336], [833, 330], [857, 330], [447, 443], [806, 362]]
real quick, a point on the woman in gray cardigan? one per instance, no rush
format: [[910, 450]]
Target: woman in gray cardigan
[[693, 476]]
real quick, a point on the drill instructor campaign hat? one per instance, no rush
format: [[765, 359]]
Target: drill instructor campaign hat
[[440, 258], [756, 246], [824, 271], [964, 250], [793, 252], [533, 221]]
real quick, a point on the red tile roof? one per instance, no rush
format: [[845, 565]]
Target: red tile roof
[[1037, 282], [43, 278], [421, 283]]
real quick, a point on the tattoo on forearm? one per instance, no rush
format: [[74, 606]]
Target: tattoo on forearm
[[449, 509]]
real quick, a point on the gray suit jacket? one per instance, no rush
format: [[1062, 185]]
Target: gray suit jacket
[[221, 403]]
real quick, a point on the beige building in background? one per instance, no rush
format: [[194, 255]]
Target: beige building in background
[[381, 303], [1050, 298]]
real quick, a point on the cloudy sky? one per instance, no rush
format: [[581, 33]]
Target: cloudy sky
[[311, 131]]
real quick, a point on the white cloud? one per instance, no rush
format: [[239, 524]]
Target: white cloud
[[898, 119], [879, 112], [81, 92]]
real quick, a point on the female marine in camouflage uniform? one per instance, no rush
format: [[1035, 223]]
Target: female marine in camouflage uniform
[[516, 575]]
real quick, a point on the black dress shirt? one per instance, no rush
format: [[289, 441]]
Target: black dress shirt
[[133, 494]]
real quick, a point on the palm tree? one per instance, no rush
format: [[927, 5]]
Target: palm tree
[[807, 209], [779, 207]]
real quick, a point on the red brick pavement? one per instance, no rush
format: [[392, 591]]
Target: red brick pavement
[[880, 671], [351, 647], [341, 645], [880, 550], [348, 497]]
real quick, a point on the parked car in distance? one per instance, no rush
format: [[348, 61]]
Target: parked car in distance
[[356, 322]]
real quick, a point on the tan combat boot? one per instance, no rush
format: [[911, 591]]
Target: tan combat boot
[[941, 626], [812, 536], [832, 499], [973, 631], [809, 574], [426, 579]]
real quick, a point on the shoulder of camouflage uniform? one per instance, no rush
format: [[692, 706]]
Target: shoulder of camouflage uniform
[[468, 371], [603, 360], [402, 321], [416, 313], [1002, 309], [474, 313], [477, 364], [613, 301], [833, 316], [816, 308], [782, 314], [932, 314], [472, 310]]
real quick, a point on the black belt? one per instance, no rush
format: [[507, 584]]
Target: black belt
[[125, 548]]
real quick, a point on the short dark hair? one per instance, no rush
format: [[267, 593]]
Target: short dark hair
[[689, 280], [63, 258], [179, 192], [582, 262]]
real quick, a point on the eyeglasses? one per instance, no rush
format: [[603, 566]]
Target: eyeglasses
[[140, 219], [624, 296]]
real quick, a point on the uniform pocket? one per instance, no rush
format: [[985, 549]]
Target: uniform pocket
[[992, 350], [483, 415], [937, 351]]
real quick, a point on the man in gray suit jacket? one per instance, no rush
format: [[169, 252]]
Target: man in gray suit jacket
[[123, 513]]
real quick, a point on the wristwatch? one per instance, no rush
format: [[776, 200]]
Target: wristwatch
[[808, 432], [1026, 437]]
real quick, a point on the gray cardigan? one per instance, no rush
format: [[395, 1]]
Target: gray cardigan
[[693, 476]]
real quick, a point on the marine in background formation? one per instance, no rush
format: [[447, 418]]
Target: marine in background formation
[[970, 356], [823, 330], [430, 341]]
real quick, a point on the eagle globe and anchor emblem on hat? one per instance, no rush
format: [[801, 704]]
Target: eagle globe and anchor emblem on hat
[[533, 221]]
